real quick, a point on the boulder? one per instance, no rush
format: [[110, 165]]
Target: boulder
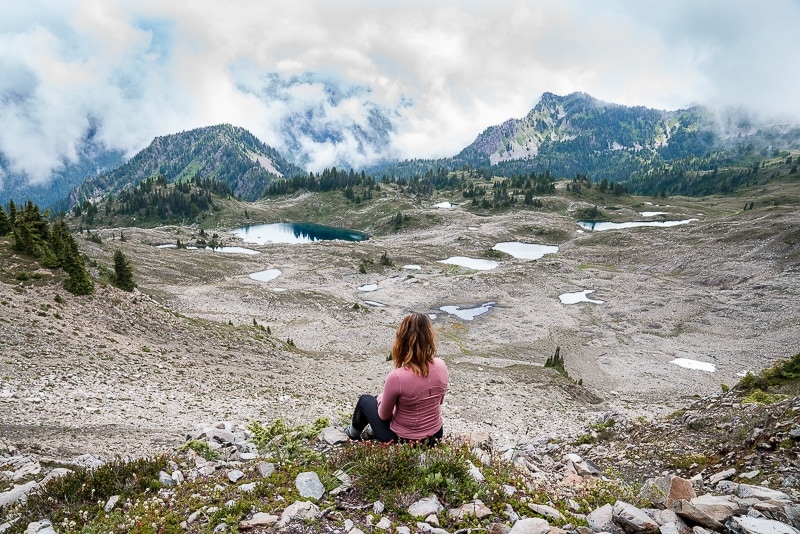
[[720, 507], [602, 520], [632, 519], [692, 514], [755, 525], [18, 493], [664, 490], [746, 491]]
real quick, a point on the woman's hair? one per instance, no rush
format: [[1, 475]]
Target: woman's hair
[[415, 344]]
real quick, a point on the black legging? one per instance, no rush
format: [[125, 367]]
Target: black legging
[[366, 413]]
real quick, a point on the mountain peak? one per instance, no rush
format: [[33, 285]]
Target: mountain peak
[[222, 152]]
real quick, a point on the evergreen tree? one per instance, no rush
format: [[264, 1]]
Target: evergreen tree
[[5, 223], [79, 281], [123, 272]]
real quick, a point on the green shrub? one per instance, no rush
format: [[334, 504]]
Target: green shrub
[[782, 372], [79, 496], [287, 443], [399, 474], [757, 396], [200, 447]]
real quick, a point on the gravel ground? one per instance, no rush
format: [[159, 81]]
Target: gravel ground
[[130, 373]]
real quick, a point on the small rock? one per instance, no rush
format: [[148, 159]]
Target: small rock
[[298, 510], [530, 525], [722, 475], [234, 475], [248, 488], [222, 527], [498, 528], [165, 479], [432, 519], [403, 530], [40, 527], [547, 511], [264, 469], [193, 517], [424, 507], [333, 435], [88, 461], [207, 470], [111, 503], [720, 507], [512, 516], [476, 508], [356, 530], [384, 523], [750, 474], [378, 507], [692, 514], [177, 476], [348, 524], [308, 484], [602, 520], [259, 519], [474, 472], [795, 433]]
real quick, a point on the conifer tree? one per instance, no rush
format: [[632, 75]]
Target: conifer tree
[[79, 281], [12, 212], [123, 272], [5, 223]]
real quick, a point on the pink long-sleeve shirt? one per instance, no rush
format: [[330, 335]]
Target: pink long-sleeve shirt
[[413, 401]]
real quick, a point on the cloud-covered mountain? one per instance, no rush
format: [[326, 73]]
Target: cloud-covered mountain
[[321, 123], [92, 158], [226, 153]]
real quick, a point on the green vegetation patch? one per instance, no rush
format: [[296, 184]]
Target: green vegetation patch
[[78, 497], [783, 376]]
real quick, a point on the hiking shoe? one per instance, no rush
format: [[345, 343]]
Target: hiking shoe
[[352, 433], [367, 433]]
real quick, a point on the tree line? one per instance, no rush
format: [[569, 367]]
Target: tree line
[[51, 243], [154, 198]]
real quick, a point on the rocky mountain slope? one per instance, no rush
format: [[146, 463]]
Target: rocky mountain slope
[[225, 153]]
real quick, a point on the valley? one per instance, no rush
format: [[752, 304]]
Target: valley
[[200, 341]]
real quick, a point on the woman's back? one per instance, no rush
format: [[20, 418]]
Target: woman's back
[[413, 401]]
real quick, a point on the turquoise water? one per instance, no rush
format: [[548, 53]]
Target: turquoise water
[[295, 233]]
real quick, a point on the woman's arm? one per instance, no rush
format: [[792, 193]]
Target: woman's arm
[[388, 399]]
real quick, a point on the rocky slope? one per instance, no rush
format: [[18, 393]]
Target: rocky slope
[[628, 483]]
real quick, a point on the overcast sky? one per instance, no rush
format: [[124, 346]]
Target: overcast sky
[[442, 71]]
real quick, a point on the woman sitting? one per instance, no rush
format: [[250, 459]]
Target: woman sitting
[[409, 409]]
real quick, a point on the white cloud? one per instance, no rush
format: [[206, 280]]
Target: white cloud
[[442, 70]]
